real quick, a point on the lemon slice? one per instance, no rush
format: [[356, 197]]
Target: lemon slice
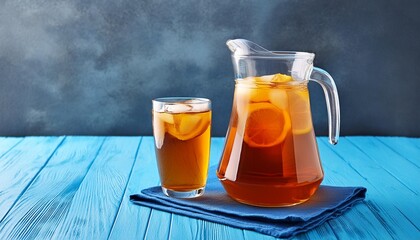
[[275, 78], [266, 126], [281, 78], [189, 125]]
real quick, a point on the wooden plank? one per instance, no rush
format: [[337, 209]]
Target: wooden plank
[[99, 196], [353, 223], [209, 230], [254, 235], [322, 232], [401, 169], [158, 226], [7, 143], [407, 148], [132, 220], [401, 176], [188, 228], [20, 164], [351, 166], [359, 223], [48, 199]]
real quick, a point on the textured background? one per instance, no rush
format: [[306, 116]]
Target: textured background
[[92, 67]]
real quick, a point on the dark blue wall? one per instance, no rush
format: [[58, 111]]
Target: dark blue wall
[[92, 67]]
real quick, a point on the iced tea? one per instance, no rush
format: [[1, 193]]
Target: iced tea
[[181, 128], [270, 156]]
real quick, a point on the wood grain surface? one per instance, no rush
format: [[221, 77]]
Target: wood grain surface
[[78, 187]]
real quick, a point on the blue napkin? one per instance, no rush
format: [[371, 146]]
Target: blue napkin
[[216, 206]]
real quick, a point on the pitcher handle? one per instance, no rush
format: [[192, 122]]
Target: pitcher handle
[[331, 97]]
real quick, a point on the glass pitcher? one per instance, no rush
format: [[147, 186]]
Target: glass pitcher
[[270, 157]]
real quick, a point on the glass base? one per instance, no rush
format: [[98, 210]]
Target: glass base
[[183, 194]]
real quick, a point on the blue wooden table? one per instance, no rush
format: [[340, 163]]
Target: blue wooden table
[[78, 188]]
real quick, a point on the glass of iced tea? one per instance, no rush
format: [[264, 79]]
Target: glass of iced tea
[[181, 129]]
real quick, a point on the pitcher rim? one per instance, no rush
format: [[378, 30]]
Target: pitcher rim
[[280, 55]]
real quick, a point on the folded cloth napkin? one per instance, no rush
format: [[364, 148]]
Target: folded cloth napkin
[[216, 206]]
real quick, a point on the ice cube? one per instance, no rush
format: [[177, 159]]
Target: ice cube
[[200, 108], [178, 108], [278, 97], [166, 117], [198, 105], [265, 78]]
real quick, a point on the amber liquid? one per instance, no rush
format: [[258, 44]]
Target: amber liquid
[[280, 166], [182, 149]]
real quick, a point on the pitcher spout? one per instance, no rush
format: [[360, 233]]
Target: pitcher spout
[[243, 47]]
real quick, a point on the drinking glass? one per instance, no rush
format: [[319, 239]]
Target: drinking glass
[[181, 129]]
